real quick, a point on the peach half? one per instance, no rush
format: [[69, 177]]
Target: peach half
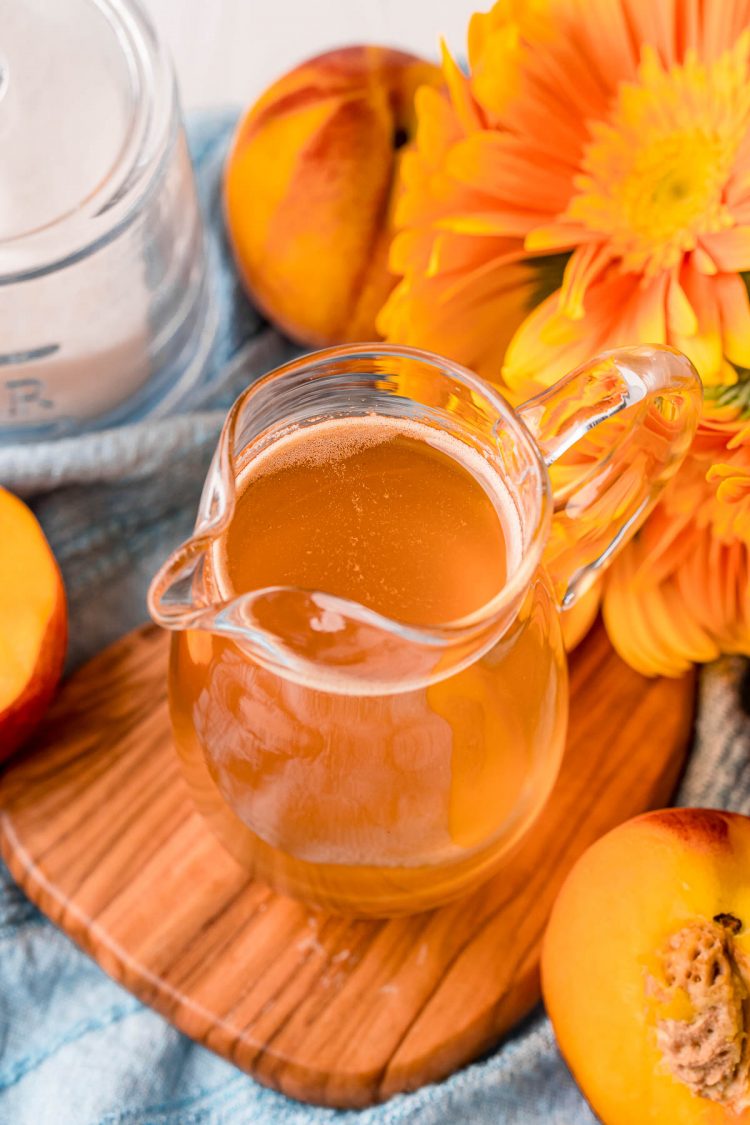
[[33, 623], [646, 970], [309, 190]]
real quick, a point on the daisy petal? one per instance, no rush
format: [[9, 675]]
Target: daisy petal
[[558, 236], [729, 249], [462, 98], [501, 222], [704, 345], [680, 313], [585, 265], [734, 310], [500, 166], [437, 125]]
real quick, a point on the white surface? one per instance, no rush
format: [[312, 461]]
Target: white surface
[[227, 51]]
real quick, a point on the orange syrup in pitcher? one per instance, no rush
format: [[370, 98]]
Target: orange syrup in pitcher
[[385, 802], [366, 510]]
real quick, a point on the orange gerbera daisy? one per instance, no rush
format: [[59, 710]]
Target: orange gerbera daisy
[[587, 185]]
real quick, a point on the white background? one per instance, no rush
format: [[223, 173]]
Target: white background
[[227, 51]]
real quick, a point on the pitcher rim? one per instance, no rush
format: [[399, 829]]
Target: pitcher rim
[[533, 538]]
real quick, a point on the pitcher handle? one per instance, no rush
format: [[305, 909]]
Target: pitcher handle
[[614, 473]]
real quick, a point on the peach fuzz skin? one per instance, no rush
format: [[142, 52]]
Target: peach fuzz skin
[[309, 187], [627, 914], [33, 623]]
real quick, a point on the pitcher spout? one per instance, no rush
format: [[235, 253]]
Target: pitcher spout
[[312, 637]]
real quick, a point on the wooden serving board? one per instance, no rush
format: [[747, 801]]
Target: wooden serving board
[[98, 828]]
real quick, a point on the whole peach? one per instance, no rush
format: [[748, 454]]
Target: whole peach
[[309, 185]]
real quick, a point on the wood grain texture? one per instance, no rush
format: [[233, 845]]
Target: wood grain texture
[[97, 827]]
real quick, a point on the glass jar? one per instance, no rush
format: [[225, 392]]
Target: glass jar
[[104, 303]]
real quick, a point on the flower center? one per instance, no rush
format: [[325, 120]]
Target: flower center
[[654, 175]]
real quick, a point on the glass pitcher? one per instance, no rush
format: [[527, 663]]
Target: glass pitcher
[[375, 767]]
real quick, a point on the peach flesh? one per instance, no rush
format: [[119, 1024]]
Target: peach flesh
[[646, 966], [33, 623]]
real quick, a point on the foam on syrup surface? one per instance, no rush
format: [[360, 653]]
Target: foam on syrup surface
[[334, 442]]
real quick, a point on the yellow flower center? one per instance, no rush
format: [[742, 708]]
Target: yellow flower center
[[654, 175]]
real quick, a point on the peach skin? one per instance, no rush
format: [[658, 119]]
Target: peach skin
[[33, 623], [309, 188], [646, 970]]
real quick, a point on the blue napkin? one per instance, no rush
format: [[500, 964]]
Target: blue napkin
[[75, 1048]]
